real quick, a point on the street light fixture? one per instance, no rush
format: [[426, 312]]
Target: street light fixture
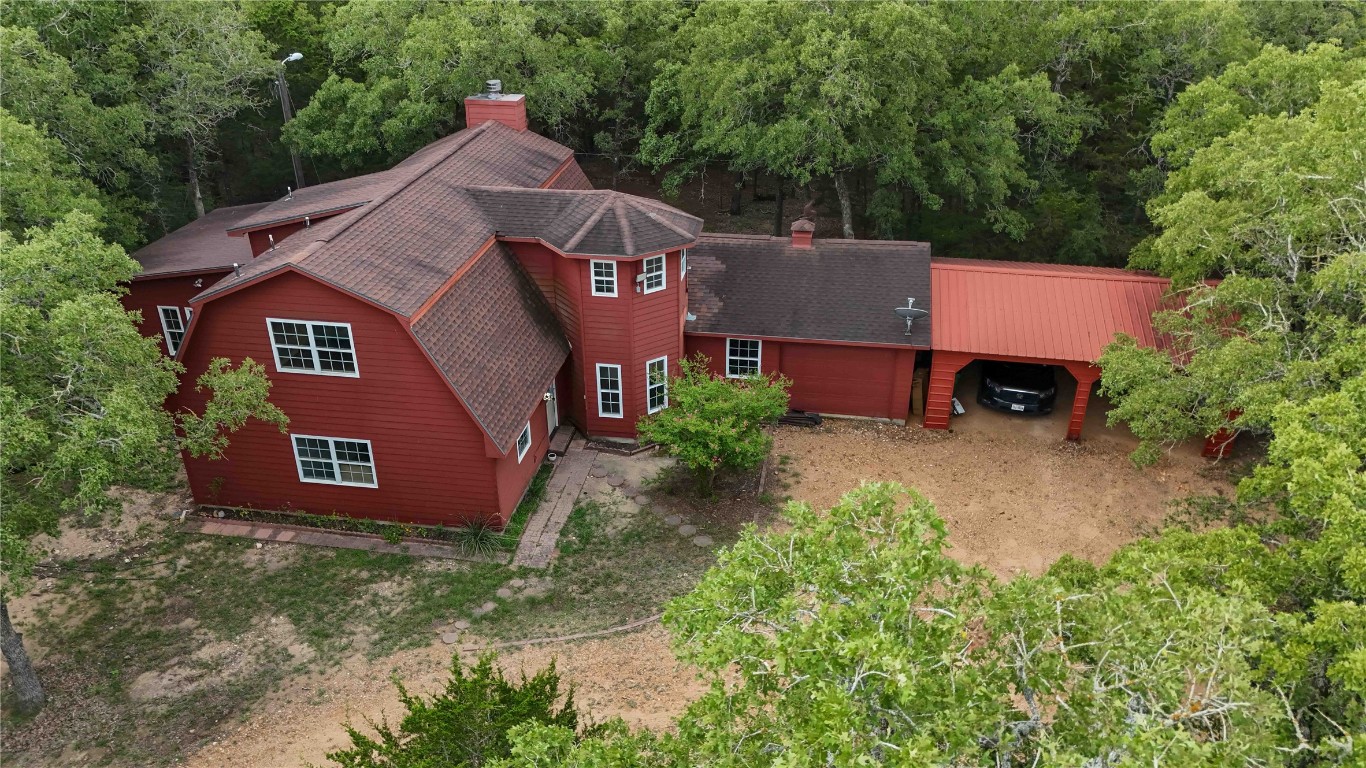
[[287, 108]]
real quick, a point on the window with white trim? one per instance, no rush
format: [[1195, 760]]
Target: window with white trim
[[334, 460], [683, 264], [657, 384], [609, 390], [742, 357], [173, 327], [604, 278], [304, 346], [653, 271], [523, 442]]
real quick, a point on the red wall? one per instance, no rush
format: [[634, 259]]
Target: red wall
[[173, 291], [260, 239], [842, 379], [628, 329], [430, 458]]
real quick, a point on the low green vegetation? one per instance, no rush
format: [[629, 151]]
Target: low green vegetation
[[715, 423]]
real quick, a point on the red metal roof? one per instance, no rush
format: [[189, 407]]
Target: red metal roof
[[1045, 311]]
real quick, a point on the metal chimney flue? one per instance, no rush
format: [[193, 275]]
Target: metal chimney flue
[[493, 88]]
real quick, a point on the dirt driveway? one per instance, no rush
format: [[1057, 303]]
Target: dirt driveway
[[1015, 497]]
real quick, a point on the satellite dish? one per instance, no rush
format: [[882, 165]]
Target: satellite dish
[[910, 313]]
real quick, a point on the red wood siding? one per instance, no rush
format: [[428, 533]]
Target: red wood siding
[[840, 379], [173, 291], [260, 239], [429, 455], [513, 476]]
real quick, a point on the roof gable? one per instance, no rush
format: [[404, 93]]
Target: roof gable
[[588, 222]]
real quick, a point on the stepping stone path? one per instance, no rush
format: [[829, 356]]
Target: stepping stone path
[[686, 530], [615, 480], [485, 608], [643, 501], [504, 592], [450, 637], [673, 520], [462, 625], [702, 540]]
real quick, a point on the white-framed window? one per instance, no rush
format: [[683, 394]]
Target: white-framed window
[[653, 271], [604, 278], [523, 442], [742, 357], [683, 264], [334, 460], [657, 384], [305, 346], [609, 391], [173, 325]]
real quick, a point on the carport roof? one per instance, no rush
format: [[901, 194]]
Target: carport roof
[[1045, 311]]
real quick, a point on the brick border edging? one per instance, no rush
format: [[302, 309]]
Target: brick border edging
[[564, 638], [376, 543]]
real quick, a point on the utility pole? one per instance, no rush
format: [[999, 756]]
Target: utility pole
[[288, 109]]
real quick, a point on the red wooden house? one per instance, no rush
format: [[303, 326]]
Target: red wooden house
[[427, 328]]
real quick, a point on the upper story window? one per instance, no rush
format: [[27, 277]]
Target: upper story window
[[742, 357], [604, 278], [683, 264], [334, 460], [303, 346], [657, 384], [653, 272], [609, 390], [173, 325], [523, 442]]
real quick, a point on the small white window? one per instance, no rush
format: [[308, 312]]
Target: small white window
[[653, 271], [173, 327], [742, 357], [334, 461], [604, 278], [683, 264], [303, 346], [609, 391], [657, 384], [524, 442]]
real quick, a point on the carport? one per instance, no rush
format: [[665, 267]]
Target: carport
[[1045, 314]]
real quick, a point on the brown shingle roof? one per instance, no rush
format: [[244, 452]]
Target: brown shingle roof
[[588, 222], [838, 290], [200, 245], [321, 199], [400, 248], [497, 342]]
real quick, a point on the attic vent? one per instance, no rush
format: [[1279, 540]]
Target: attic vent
[[493, 89]]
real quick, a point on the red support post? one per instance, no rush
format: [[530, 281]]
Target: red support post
[[1086, 376], [943, 373], [1220, 444]]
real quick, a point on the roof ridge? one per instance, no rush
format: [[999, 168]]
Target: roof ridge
[[422, 170], [658, 219], [1078, 271], [628, 235], [588, 225]]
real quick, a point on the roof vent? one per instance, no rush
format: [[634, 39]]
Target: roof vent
[[802, 231], [493, 89]]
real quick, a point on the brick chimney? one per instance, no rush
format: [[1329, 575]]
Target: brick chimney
[[802, 230], [506, 108]]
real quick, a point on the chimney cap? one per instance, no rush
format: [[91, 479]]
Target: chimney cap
[[803, 225]]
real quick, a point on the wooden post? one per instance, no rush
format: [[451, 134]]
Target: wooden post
[[943, 372], [1086, 376]]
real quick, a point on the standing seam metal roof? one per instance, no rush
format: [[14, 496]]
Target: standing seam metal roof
[[1042, 311]]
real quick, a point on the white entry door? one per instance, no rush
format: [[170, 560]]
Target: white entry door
[[552, 411]]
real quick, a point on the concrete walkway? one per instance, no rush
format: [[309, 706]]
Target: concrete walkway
[[561, 493]]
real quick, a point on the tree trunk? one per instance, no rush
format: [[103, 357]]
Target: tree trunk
[[194, 179], [846, 207], [29, 695], [778, 213], [737, 195]]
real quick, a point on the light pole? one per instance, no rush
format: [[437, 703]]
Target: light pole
[[288, 109]]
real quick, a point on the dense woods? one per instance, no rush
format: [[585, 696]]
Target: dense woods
[[1221, 144]]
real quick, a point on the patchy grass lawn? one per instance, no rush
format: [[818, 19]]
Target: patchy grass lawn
[[150, 650]]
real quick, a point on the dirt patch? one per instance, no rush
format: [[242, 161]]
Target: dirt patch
[[633, 676], [142, 516], [1013, 502]]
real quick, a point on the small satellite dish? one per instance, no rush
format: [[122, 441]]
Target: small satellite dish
[[910, 313]]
